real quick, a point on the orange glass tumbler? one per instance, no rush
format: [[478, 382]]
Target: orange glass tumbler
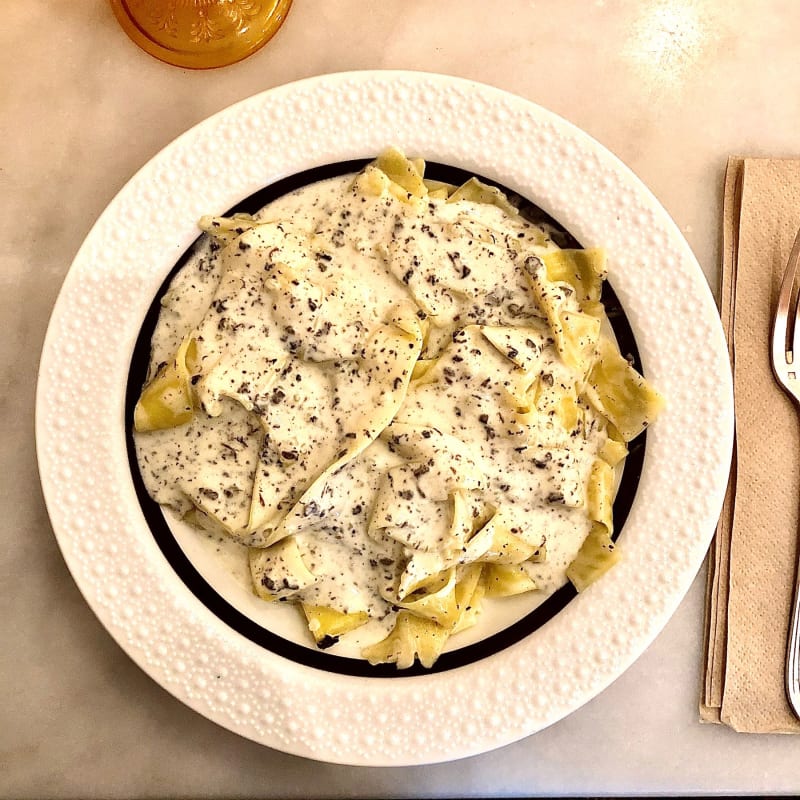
[[201, 34]]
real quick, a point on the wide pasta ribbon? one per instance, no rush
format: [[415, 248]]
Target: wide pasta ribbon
[[575, 332], [370, 390]]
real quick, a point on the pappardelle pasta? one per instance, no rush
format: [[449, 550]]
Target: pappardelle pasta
[[400, 397]]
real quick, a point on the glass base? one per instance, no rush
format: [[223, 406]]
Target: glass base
[[201, 34]]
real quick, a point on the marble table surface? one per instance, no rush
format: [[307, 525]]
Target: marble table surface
[[671, 86]]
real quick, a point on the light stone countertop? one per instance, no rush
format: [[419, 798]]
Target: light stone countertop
[[671, 86]]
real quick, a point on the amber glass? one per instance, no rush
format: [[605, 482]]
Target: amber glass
[[201, 34]]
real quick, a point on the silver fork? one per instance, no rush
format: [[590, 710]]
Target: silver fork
[[786, 367]]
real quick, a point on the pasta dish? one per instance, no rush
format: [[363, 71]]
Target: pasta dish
[[401, 398]]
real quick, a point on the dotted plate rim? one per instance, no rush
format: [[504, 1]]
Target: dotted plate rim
[[81, 441]]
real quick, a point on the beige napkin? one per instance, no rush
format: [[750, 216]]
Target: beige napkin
[[752, 558]]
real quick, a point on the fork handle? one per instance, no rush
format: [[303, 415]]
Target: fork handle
[[793, 649]]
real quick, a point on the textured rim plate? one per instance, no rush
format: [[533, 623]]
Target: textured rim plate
[[90, 494]]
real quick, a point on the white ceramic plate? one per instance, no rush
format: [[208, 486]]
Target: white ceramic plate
[[244, 685]]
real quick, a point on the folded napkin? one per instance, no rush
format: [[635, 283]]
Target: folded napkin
[[752, 559]]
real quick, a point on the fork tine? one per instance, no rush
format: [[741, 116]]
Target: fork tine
[[780, 343], [794, 263], [796, 325]]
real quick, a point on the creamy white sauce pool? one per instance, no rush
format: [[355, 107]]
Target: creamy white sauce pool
[[460, 266]]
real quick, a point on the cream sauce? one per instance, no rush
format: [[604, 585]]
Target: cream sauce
[[282, 319]]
